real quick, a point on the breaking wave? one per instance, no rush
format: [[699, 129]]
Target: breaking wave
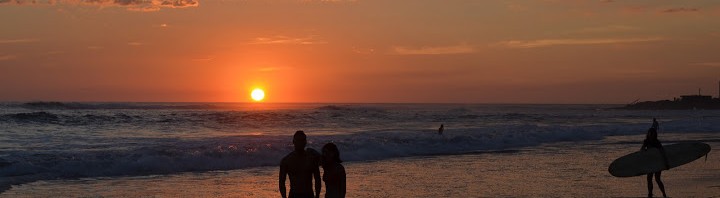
[[52, 140], [77, 105]]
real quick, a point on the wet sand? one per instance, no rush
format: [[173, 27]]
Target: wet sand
[[566, 169]]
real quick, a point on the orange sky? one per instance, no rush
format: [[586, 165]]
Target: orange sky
[[469, 51]]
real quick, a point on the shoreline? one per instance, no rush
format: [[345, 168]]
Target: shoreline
[[575, 169]]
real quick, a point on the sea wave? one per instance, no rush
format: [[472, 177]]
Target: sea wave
[[146, 106], [43, 117], [74, 140], [167, 156]]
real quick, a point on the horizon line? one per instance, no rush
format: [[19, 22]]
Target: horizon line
[[249, 102]]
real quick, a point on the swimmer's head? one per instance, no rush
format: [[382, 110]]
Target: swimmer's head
[[299, 140]]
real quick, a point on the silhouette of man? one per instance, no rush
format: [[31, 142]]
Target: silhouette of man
[[302, 166], [441, 129]]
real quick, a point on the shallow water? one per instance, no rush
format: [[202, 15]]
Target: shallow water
[[563, 169], [47, 141]]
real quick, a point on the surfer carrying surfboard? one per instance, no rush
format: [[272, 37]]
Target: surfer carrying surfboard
[[653, 158], [651, 141]]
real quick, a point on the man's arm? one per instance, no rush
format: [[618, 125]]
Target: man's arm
[[662, 151], [644, 146], [318, 182], [283, 175]]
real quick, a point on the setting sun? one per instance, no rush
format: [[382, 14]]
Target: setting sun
[[257, 94]]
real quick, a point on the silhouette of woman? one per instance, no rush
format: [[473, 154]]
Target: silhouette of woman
[[333, 172], [651, 140]]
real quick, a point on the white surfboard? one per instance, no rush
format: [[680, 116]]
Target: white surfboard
[[650, 161]]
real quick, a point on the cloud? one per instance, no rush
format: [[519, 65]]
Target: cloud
[[677, 10], [132, 5], [203, 59], [708, 64], [135, 43], [54, 52], [329, 1], [635, 9], [435, 50], [636, 72], [11, 41], [287, 40], [7, 57], [144, 9], [594, 41], [95, 47], [272, 69], [646, 9], [608, 29], [361, 50], [517, 7]]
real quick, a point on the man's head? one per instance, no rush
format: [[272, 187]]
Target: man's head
[[299, 140]]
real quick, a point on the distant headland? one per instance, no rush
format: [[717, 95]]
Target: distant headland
[[698, 101]]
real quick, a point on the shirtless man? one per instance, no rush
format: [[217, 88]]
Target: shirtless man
[[302, 166]]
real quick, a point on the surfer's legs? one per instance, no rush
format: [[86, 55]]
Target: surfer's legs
[[650, 185], [660, 183]]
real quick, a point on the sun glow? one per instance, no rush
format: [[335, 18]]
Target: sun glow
[[257, 94]]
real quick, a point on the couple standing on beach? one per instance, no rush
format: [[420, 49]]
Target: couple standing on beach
[[302, 167]]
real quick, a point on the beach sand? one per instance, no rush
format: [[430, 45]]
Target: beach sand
[[565, 169]]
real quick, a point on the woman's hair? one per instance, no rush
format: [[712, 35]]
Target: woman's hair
[[333, 148]]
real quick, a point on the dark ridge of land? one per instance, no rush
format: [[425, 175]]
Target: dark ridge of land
[[674, 105]]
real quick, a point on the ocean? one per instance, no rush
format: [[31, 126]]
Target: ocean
[[53, 143]]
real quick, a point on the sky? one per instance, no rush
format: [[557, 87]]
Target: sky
[[365, 51]]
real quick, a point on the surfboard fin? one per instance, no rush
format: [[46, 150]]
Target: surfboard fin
[[706, 156]]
